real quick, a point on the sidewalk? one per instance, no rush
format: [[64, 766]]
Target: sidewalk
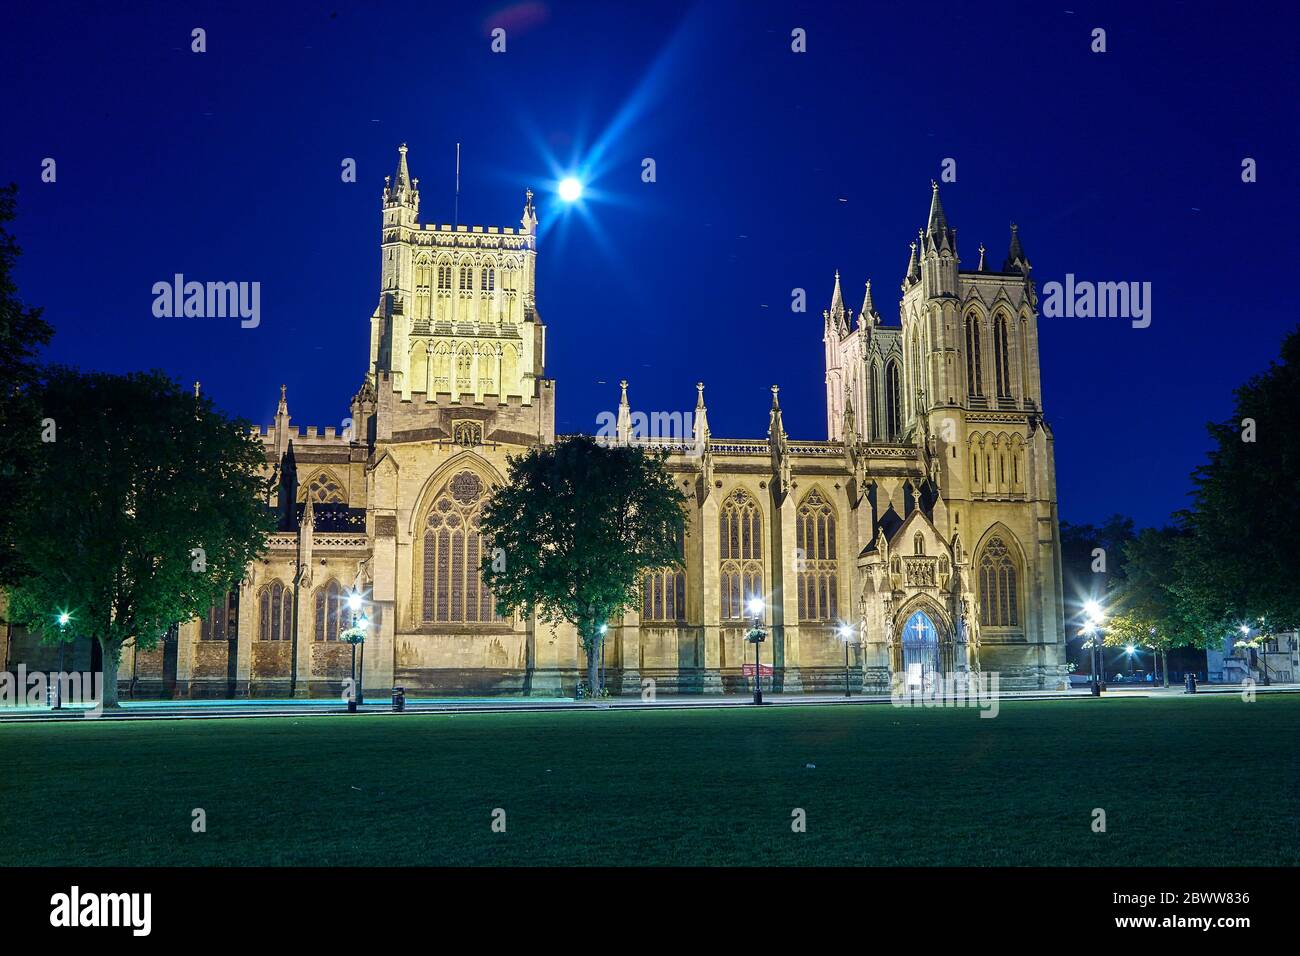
[[253, 708]]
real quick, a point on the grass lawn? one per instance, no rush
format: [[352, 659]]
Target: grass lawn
[[1184, 781]]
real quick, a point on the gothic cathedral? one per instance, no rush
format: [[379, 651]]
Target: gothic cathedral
[[920, 537]]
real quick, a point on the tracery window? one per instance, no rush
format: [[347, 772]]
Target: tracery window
[[322, 488], [488, 279], [998, 581], [819, 569], [466, 278], [444, 277], [329, 608], [741, 525], [454, 591], [221, 623], [663, 597], [974, 377], [893, 402], [275, 613], [1000, 356]]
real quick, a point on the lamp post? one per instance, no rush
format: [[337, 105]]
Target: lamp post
[[56, 700], [846, 633], [757, 636], [1096, 617], [604, 629], [354, 635]]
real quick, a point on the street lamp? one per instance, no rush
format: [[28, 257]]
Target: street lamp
[[757, 636], [604, 629], [846, 634], [1096, 617], [354, 635], [56, 698]]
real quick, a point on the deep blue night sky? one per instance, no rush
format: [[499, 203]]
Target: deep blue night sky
[[774, 169]]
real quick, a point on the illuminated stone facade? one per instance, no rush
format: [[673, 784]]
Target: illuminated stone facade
[[925, 524]]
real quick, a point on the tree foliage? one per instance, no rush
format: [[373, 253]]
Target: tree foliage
[[1240, 559], [22, 335], [149, 505], [578, 524]]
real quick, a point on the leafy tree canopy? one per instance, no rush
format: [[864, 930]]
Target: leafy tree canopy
[[22, 335], [1240, 563], [578, 524], [149, 505]]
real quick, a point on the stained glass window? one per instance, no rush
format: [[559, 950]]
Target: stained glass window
[[997, 576], [453, 588], [818, 565]]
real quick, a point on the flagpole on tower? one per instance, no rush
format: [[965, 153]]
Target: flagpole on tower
[[456, 212]]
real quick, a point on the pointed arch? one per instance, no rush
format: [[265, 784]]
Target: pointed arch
[[1001, 357], [741, 552], [818, 550], [452, 589], [275, 612], [999, 570], [327, 611], [974, 375], [324, 487], [893, 400]]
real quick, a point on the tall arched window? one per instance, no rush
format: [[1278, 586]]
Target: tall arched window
[[664, 592], [974, 377], [741, 549], [818, 567], [222, 620], [466, 277], [329, 608], [1000, 355], [275, 613], [877, 420], [487, 279], [453, 590], [999, 604], [893, 401]]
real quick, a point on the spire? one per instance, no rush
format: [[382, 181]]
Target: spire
[[400, 189], [624, 426], [937, 224], [868, 312], [529, 220], [913, 270], [308, 514], [403, 178], [980, 268], [196, 389], [701, 425], [776, 427], [837, 313], [1016, 260]]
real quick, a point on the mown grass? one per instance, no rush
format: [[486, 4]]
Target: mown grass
[[1205, 781]]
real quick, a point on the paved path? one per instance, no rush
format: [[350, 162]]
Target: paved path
[[245, 709]]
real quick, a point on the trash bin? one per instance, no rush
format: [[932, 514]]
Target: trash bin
[[399, 699], [1191, 683]]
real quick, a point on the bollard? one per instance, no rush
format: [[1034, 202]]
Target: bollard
[[399, 699], [1190, 684]]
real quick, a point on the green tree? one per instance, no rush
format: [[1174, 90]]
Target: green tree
[[1240, 563], [22, 335], [150, 505], [1145, 609], [575, 528]]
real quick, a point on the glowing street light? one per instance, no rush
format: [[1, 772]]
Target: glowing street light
[[846, 635], [570, 189], [757, 636]]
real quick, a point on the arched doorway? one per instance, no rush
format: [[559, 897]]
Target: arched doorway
[[920, 650]]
